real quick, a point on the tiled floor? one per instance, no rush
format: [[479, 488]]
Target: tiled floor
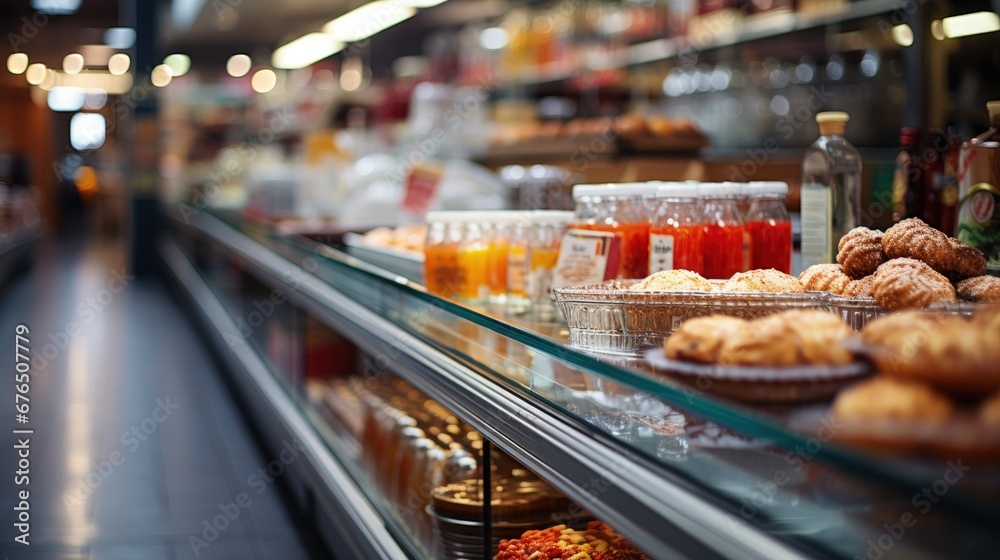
[[113, 474]]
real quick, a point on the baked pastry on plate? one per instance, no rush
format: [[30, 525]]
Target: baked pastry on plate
[[701, 339], [883, 397], [980, 289], [672, 281]]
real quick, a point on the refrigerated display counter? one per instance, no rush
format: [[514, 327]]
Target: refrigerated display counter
[[681, 473]]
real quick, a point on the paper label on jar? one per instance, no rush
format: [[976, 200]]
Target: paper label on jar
[[817, 219], [587, 257], [421, 186], [661, 252], [517, 271]]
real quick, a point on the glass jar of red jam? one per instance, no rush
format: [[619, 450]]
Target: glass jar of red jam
[[723, 230], [619, 208], [676, 230], [769, 226]]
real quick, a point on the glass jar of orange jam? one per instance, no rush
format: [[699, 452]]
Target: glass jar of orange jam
[[769, 226], [548, 227], [723, 232], [444, 233], [676, 230], [473, 258]]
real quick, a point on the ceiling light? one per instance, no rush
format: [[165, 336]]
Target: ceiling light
[[238, 65], [119, 63], [56, 7], [903, 35], [17, 63], [73, 63], [160, 76], [66, 98], [493, 38], [264, 80], [970, 24], [368, 20], [35, 73], [304, 51], [119, 37], [178, 63], [87, 131]]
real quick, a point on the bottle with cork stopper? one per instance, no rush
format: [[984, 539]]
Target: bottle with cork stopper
[[831, 190]]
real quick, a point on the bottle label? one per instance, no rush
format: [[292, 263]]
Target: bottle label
[[517, 271], [587, 257], [817, 219], [661, 252]]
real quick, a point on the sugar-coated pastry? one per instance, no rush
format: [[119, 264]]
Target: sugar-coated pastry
[[700, 339], [860, 252], [979, 289], [908, 283], [672, 281], [768, 280], [886, 398], [825, 278], [969, 261], [914, 239], [861, 288]]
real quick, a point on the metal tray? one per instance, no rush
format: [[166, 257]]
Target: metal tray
[[859, 311], [409, 264], [608, 318]]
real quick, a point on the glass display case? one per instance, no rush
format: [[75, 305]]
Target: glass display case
[[332, 352]]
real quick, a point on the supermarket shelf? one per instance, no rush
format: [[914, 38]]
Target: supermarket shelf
[[360, 530], [657, 512], [751, 29]]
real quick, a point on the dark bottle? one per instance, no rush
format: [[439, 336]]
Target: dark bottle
[[949, 192], [934, 160], [908, 182]]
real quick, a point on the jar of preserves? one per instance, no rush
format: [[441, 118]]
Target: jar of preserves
[[723, 230], [676, 230], [545, 240], [769, 226], [444, 233], [498, 242], [619, 208], [474, 258]]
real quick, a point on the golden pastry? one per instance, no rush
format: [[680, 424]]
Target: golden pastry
[[912, 238], [769, 341], [700, 339], [825, 278], [860, 252], [988, 319], [989, 410], [969, 261], [909, 283], [885, 398], [980, 289], [861, 288], [768, 280], [948, 352], [819, 334], [672, 281]]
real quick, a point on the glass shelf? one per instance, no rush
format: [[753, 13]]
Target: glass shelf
[[818, 498]]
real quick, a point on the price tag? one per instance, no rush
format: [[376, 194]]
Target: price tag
[[587, 257], [421, 186], [661, 252]]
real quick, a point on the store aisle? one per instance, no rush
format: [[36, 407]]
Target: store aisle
[[138, 450]]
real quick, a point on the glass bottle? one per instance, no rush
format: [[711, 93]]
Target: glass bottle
[[498, 241], [907, 182], [518, 262], [723, 232], [934, 177], [473, 259], [949, 191], [676, 230], [831, 190], [545, 239], [769, 226]]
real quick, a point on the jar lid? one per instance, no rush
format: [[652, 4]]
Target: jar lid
[[552, 216], [713, 190], [676, 189], [457, 216], [613, 189], [757, 188]]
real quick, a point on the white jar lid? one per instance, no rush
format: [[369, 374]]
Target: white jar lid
[[676, 189], [549, 217], [756, 188], [613, 189], [712, 190]]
